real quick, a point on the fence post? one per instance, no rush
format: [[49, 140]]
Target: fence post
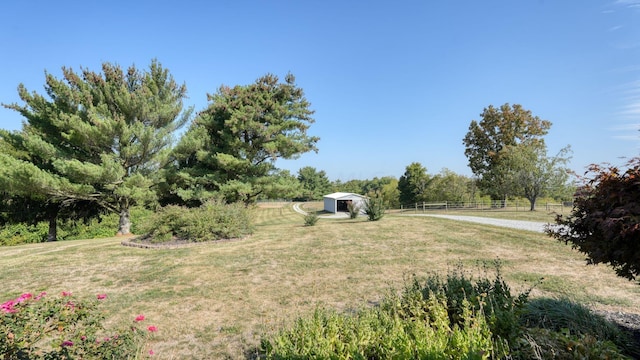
[[416, 208]]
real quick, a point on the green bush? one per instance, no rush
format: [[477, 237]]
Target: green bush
[[66, 327], [311, 219], [213, 220], [105, 226], [374, 208], [15, 234], [501, 308], [354, 210], [385, 332]]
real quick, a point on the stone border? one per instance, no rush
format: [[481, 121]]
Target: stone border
[[173, 245]]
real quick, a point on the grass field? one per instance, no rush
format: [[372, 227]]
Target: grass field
[[216, 300]]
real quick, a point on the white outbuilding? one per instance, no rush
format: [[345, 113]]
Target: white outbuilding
[[338, 201]]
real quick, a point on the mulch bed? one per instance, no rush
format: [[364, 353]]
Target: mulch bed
[[175, 243]]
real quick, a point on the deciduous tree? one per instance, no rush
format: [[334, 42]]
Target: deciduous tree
[[531, 173], [605, 221], [449, 186], [413, 184], [497, 129]]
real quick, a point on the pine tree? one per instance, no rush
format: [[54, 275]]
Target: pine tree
[[97, 138], [231, 147]]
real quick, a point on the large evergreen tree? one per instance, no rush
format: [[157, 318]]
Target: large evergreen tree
[[95, 138], [315, 183], [231, 147]]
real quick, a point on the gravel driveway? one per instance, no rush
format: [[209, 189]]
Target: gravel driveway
[[514, 224]]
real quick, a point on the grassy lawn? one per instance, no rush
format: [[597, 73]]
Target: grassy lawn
[[215, 300]]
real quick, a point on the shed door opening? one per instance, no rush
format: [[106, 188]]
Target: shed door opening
[[342, 205]]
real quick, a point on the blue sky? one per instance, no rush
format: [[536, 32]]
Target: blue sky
[[392, 82]]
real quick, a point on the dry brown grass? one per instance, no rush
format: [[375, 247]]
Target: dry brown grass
[[216, 300]]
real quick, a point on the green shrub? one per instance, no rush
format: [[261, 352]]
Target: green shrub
[[15, 234], [105, 226], [311, 219], [66, 327], [385, 332], [501, 308], [213, 220], [354, 210], [374, 208]]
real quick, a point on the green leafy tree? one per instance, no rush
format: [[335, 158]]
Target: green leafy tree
[[315, 183], [499, 128], [413, 184], [376, 184], [283, 185], [351, 186], [605, 221], [230, 149], [97, 137], [449, 186], [531, 173], [390, 193]]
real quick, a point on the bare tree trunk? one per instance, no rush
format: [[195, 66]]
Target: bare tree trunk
[[532, 201], [53, 229], [124, 226]]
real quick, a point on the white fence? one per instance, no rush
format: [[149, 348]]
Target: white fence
[[507, 205]]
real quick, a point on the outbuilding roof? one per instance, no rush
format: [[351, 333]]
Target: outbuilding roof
[[339, 195]]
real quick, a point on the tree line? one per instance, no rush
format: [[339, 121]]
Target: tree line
[[104, 142]]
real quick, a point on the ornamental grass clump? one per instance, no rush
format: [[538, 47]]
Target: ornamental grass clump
[[374, 207], [562, 322], [66, 327]]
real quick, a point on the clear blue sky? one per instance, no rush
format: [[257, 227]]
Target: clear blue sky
[[392, 82]]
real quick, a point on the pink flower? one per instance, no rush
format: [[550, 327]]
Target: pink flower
[[23, 297], [67, 343], [151, 352], [71, 305], [66, 293], [42, 294], [152, 328], [101, 296], [7, 307], [139, 318], [83, 338]]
